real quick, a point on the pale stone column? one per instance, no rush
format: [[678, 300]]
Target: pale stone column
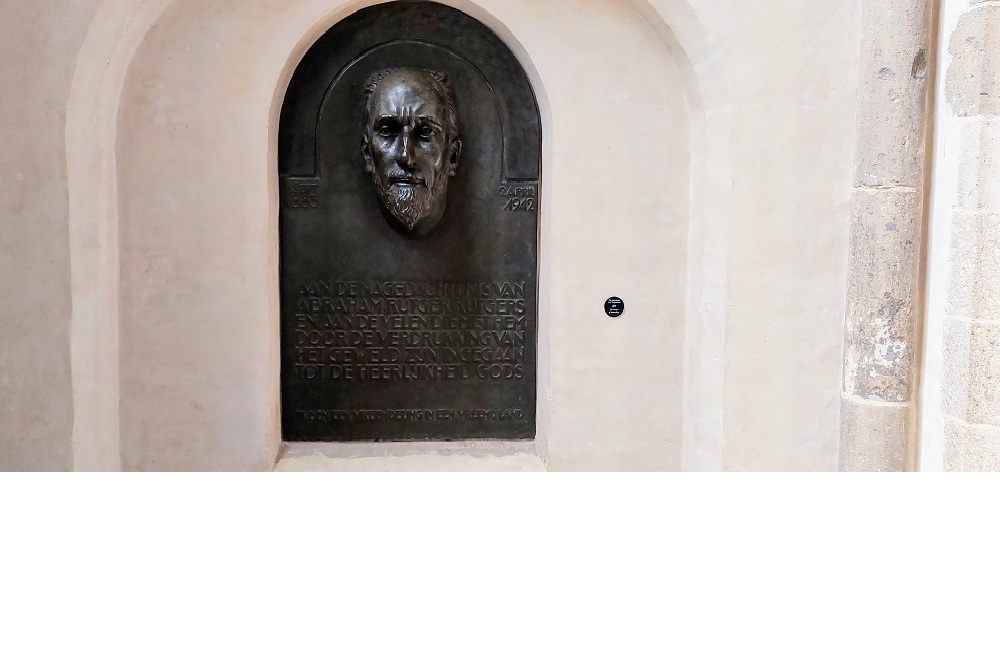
[[970, 379], [883, 295]]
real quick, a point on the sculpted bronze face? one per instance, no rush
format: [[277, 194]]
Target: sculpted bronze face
[[411, 146]]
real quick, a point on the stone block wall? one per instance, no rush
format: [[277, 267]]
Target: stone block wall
[[970, 378]]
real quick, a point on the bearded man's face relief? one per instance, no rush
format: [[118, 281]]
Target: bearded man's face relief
[[411, 146]]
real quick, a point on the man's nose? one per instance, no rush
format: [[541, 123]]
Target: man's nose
[[405, 157]]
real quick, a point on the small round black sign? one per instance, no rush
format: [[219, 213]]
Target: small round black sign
[[614, 307]]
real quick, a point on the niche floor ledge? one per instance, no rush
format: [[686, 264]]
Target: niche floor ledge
[[412, 463]]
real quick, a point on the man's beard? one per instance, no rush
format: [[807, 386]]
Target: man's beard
[[410, 204]]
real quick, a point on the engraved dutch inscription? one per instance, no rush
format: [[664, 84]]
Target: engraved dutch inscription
[[409, 152], [411, 331]]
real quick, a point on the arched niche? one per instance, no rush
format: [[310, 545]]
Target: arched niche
[[172, 136]]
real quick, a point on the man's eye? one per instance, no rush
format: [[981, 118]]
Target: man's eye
[[425, 132], [386, 131]]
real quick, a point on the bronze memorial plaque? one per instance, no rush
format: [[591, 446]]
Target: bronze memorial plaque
[[409, 162]]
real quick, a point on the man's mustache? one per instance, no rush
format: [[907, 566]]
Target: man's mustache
[[403, 178]]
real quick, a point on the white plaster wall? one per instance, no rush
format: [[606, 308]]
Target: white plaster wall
[[731, 262], [793, 87], [39, 41]]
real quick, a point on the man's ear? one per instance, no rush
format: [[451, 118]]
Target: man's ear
[[454, 155], [366, 151]]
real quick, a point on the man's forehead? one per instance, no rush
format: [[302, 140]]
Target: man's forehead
[[396, 92]]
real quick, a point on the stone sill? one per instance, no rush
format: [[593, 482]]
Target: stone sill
[[467, 456]]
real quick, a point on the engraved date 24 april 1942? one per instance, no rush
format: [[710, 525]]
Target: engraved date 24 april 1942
[[518, 197]]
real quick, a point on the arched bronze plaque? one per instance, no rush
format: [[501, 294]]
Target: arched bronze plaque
[[409, 158]]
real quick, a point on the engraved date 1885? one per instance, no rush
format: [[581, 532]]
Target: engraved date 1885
[[300, 194]]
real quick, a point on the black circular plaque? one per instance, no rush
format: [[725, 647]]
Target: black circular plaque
[[614, 307]]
